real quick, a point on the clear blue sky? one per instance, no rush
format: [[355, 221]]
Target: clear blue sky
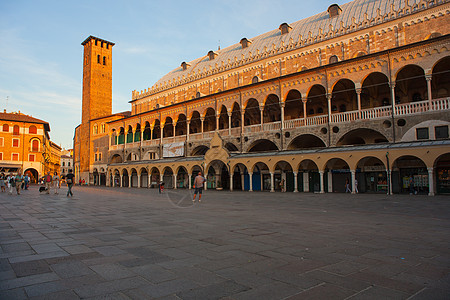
[[41, 52]]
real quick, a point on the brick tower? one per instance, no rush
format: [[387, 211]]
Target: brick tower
[[97, 96]]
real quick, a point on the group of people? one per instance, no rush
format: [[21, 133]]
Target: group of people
[[14, 182], [55, 182]]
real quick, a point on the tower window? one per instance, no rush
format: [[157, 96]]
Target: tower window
[[104, 60], [98, 59]]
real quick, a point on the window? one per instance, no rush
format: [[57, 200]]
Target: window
[[63, 164], [422, 133], [441, 132], [15, 156], [104, 60], [103, 128], [68, 164], [1, 155], [99, 156], [98, 59], [255, 79], [15, 142], [31, 157], [333, 59], [5, 128], [95, 129], [2, 142], [95, 157], [35, 145], [16, 130], [32, 129]]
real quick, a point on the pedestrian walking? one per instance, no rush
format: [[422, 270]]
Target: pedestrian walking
[[70, 179], [18, 179], [347, 186], [48, 182], [26, 179], [2, 182], [198, 186], [11, 184], [56, 182], [356, 186]]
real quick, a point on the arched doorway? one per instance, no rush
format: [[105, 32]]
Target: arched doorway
[[125, 180], [168, 178], [134, 178], [336, 175], [317, 103], [261, 177], [293, 107], [272, 109], [442, 171], [440, 81], [240, 172], [236, 116], [155, 177], [32, 174], [168, 129], [144, 178], [252, 115], [409, 175], [371, 175], [283, 177], [410, 85], [308, 176], [195, 124], [156, 130], [181, 126], [218, 176], [375, 91], [182, 178], [343, 97], [209, 124], [116, 178], [194, 172], [223, 118]]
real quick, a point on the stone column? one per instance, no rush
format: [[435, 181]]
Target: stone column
[[149, 180], [201, 120], [174, 181], [353, 181], [330, 181], [121, 178], [321, 182], [242, 121], [282, 104], [242, 181], [261, 112], [304, 112], [187, 133], [130, 176], [390, 183], [174, 125], [392, 85], [231, 182], [217, 120], [329, 108], [428, 78], [431, 181], [161, 129], [295, 182], [305, 182], [358, 98], [229, 124], [108, 178], [272, 187], [139, 181], [161, 177], [250, 182], [190, 180]]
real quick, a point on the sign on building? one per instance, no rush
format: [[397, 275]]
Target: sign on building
[[173, 150]]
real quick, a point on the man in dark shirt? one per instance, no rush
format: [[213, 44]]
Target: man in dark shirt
[[70, 179]]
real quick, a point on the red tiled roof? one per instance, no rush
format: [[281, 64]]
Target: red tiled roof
[[16, 117]]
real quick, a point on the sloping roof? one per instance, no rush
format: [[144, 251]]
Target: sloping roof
[[311, 25], [18, 117]]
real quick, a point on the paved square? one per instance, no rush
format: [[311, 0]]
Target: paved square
[[124, 243]]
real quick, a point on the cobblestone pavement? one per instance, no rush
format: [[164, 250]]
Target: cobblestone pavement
[[112, 243]]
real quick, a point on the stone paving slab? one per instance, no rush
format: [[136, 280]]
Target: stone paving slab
[[121, 243]]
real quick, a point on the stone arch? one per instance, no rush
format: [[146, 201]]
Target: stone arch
[[168, 177], [125, 180], [283, 176], [115, 177], [252, 115], [317, 103], [155, 174], [217, 175], [343, 96], [375, 91], [146, 135], [168, 128], [181, 125], [223, 118], [116, 159], [442, 173], [231, 147], [209, 123], [361, 136], [143, 173], [156, 129], [195, 169], [410, 84], [260, 176], [440, 81], [240, 177], [235, 115], [199, 150], [33, 174], [195, 124], [262, 145], [293, 105], [405, 167], [134, 177], [182, 177], [129, 137], [371, 175], [306, 141], [272, 109], [337, 175]]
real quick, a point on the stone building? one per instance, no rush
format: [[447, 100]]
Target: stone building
[[66, 162], [360, 92], [25, 146]]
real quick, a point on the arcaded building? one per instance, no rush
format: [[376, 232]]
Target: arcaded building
[[357, 93]]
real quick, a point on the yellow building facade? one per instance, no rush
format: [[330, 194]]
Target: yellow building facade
[[357, 93], [25, 146]]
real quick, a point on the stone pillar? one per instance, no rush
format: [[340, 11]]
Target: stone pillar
[[217, 120], [149, 180], [242, 121], [201, 120], [187, 133], [229, 124], [304, 111], [329, 108], [250, 182], [161, 177], [330, 181], [174, 181], [392, 85], [109, 141], [282, 104], [174, 126], [428, 78], [358, 98], [431, 181], [129, 180], [231, 182], [305, 182], [190, 180], [108, 178], [390, 183], [242, 181], [295, 182], [161, 129], [321, 182], [353, 181], [272, 187], [139, 181], [121, 178], [261, 112]]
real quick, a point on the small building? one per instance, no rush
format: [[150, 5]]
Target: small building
[[66, 161], [25, 146]]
